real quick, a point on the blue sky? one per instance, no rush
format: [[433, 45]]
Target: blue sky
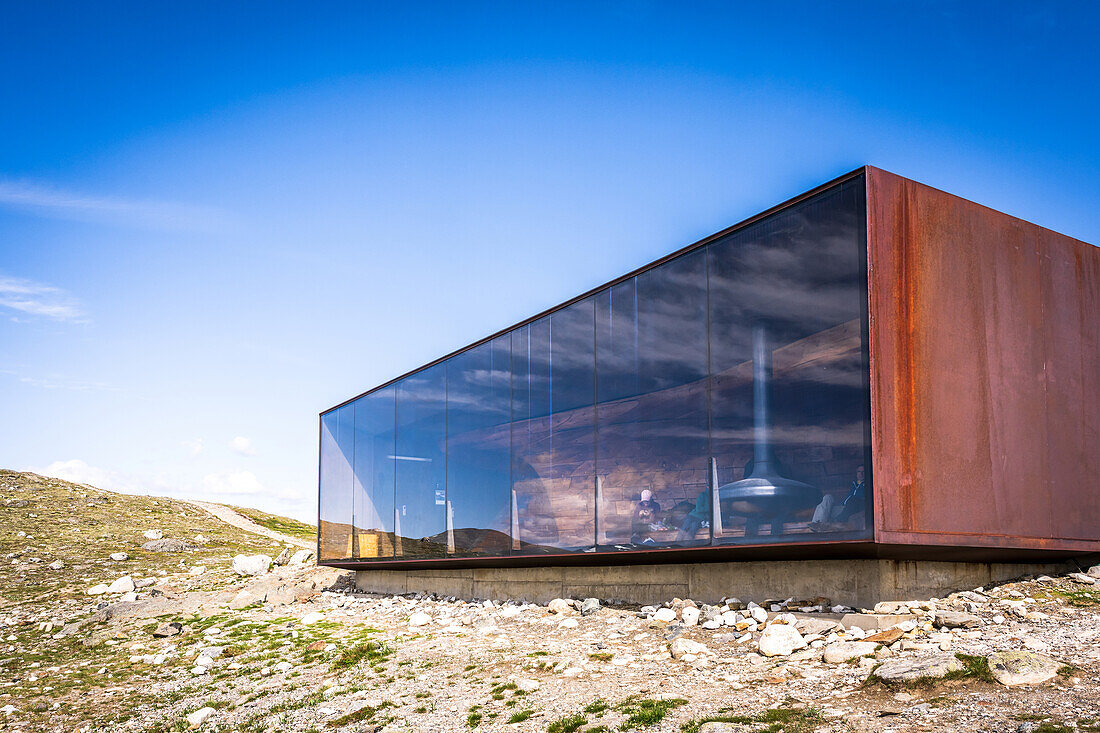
[[218, 219]]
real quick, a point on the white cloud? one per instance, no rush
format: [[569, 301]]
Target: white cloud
[[47, 201], [38, 299], [79, 472], [242, 446], [194, 447], [234, 483]]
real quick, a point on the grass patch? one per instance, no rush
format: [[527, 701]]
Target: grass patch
[[520, 715], [473, 720], [974, 668], [598, 706], [362, 715], [777, 720], [567, 724], [373, 652], [1080, 598], [601, 656], [645, 711]]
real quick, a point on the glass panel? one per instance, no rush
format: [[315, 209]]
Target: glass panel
[[337, 446], [420, 465], [652, 409], [788, 393], [374, 475], [553, 446], [478, 414]]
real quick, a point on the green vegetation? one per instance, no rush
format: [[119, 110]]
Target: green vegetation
[[601, 656], [520, 715], [777, 720], [597, 707], [373, 652], [641, 712], [567, 724], [282, 525], [362, 715], [1081, 598]]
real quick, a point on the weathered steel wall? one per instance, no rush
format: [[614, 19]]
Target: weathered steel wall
[[985, 374]]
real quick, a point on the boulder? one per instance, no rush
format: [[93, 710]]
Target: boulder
[[119, 556], [152, 534], [169, 628], [590, 606], [301, 557], [1094, 571], [1022, 667], [681, 646], [125, 584], [667, 615], [957, 620], [311, 618], [97, 590], [251, 564], [690, 616], [887, 637], [845, 650], [816, 626], [911, 670], [419, 619], [560, 605], [56, 565], [200, 716], [779, 640]]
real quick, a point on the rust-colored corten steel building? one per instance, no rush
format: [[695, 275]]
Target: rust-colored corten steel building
[[873, 389]]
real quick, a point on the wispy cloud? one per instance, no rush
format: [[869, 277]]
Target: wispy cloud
[[194, 447], [242, 446], [47, 201], [38, 299]]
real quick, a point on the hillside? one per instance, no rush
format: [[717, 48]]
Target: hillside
[[195, 645]]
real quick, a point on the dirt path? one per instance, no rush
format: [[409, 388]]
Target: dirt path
[[231, 517]]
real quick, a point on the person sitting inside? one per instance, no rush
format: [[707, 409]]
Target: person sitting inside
[[833, 516], [696, 519], [645, 519]]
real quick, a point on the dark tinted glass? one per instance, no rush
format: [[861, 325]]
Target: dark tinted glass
[[791, 288], [337, 453], [420, 465], [720, 397], [374, 475], [478, 438], [652, 409]]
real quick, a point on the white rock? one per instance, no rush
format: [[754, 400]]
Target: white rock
[[845, 650], [713, 624], [509, 612], [730, 618], [560, 605], [128, 597], [780, 640], [568, 623], [204, 661], [758, 614], [665, 614], [56, 565], [97, 590], [527, 685], [125, 584], [198, 669], [251, 564], [419, 619], [119, 556], [197, 570], [200, 716], [301, 557], [153, 534], [1094, 571], [690, 616], [283, 666], [311, 618], [681, 646]]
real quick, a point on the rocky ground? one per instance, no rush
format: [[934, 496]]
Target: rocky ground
[[232, 632]]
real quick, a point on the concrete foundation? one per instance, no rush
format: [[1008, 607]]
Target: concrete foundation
[[859, 583]]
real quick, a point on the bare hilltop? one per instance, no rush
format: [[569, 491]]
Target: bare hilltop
[[136, 613]]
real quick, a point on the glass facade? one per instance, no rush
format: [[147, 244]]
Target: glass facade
[[717, 398]]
